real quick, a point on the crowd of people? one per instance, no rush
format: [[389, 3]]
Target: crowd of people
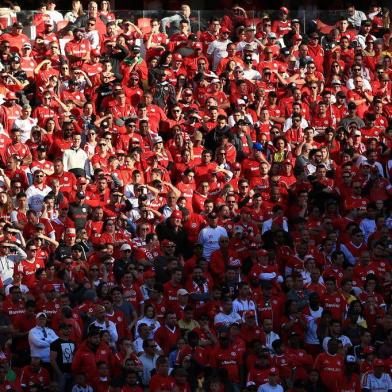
[[186, 210]]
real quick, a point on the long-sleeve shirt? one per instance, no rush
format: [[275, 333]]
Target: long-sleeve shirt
[[7, 265], [40, 339]]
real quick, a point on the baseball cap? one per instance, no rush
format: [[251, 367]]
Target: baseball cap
[[177, 57], [378, 362], [258, 146], [80, 195], [215, 81], [125, 247], [27, 45], [182, 292], [149, 274], [350, 359], [212, 215], [10, 96], [240, 102], [176, 214], [167, 243], [271, 35], [198, 45], [70, 232], [18, 25], [158, 139], [41, 147], [368, 350], [224, 30], [41, 314]]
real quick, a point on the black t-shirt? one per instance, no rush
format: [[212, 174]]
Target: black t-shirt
[[65, 350]]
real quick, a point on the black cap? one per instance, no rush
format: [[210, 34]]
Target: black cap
[[41, 147], [80, 195], [212, 215], [18, 25], [130, 120], [352, 105], [104, 124]]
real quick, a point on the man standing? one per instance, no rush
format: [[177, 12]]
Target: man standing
[[40, 338], [37, 191], [210, 235], [61, 356], [218, 48], [75, 158]]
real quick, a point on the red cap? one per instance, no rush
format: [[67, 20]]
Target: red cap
[[149, 274], [177, 57], [236, 166], [224, 29], [297, 37], [167, 243], [262, 252], [378, 362], [368, 350], [95, 53], [70, 232], [176, 214], [284, 10], [198, 45], [10, 95]]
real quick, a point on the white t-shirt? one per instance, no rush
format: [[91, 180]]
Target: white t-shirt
[[374, 384], [35, 196], [218, 51], [209, 238], [267, 387]]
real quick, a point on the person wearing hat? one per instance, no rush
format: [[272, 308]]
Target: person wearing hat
[[282, 25], [62, 352], [210, 236], [171, 229], [378, 379], [15, 37], [364, 34], [101, 322], [217, 48], [40, 337], [315, 50]]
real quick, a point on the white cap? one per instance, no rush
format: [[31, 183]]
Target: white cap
[[158, 139], [182, 292], [125, 247], [41, 314]]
